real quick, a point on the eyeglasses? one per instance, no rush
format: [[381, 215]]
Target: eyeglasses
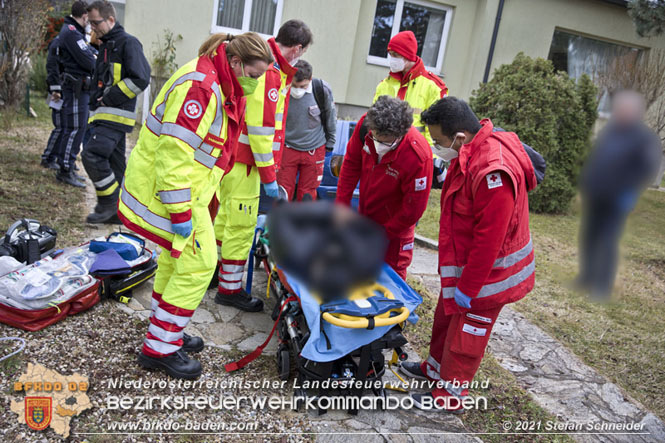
[[97, 22], [391, 144]]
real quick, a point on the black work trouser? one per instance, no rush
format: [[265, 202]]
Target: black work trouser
[[104, 161], [53, 145], [602, 225], [74, 113]]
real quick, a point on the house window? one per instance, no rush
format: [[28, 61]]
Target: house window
[[579, 55], [235, 16], [429, 22]]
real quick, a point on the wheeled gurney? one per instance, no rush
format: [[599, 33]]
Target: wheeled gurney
[[343, 339]]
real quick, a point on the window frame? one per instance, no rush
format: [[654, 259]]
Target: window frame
[[602, 114], [246, 18], [399, 8], [121, 2]]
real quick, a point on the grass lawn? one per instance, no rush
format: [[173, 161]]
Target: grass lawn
[[26, 189], [625, 339]]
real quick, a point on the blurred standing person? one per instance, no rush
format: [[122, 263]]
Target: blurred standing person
[[311, 128], [50, 157], [78, 63], [393, 162], [172, 175], [121, 73], [259, 151], [624, 161]]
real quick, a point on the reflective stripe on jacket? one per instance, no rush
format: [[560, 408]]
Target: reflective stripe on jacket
[[262, 135], [183, 150], [419, 87], [121, 73], [512, 273]]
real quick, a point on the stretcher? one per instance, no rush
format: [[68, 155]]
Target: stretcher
[[343, 339]]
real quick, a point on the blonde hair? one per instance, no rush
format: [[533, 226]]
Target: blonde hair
[[248, 46]]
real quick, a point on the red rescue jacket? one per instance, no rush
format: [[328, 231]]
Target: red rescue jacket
[[510, 273], [394, 191]]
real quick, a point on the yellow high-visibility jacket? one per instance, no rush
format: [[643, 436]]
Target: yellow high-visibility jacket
[[183, 150], [419, 87], [262, 135]]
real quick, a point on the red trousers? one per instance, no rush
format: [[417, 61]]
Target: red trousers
[[400, 253], [457, 346], [310, 166]]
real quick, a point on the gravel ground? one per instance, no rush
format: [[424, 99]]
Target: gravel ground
[[102, 344]]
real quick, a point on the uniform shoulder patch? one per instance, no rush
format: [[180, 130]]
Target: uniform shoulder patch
[[493, 180], [421, 183], [273, 95], [71, 27], [193, 109]]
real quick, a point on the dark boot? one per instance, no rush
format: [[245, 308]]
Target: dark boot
[[69, 178], [108, 215], [177, 365], [241, 300], [191, 344], [412, 369], [50, 164], [80, 178]]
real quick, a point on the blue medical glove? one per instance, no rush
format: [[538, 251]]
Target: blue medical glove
[[272, 190], [182, 229], [462, 300]]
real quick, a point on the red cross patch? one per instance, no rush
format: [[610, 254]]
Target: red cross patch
[[494, 180], [421, 184], [193, 109], [273, 95]]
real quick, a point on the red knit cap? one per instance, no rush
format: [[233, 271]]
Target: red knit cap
[[404, 43]]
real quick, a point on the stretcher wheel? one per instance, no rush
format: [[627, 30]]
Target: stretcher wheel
[[381, 392], [283, 363]]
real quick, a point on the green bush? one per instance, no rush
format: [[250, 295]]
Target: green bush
[[38, 72], [549, 112]]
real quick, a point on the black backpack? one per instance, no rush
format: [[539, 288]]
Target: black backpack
[[320, 98]]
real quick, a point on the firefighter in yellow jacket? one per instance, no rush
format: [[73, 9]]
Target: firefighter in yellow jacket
[[259, 151], [173, 172], [410, 81]]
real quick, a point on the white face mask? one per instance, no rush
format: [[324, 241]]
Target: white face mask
[[396, 63], [446, 154], [297, 92], [382, 148]]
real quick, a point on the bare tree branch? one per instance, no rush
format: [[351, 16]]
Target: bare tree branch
[[22, 27]]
